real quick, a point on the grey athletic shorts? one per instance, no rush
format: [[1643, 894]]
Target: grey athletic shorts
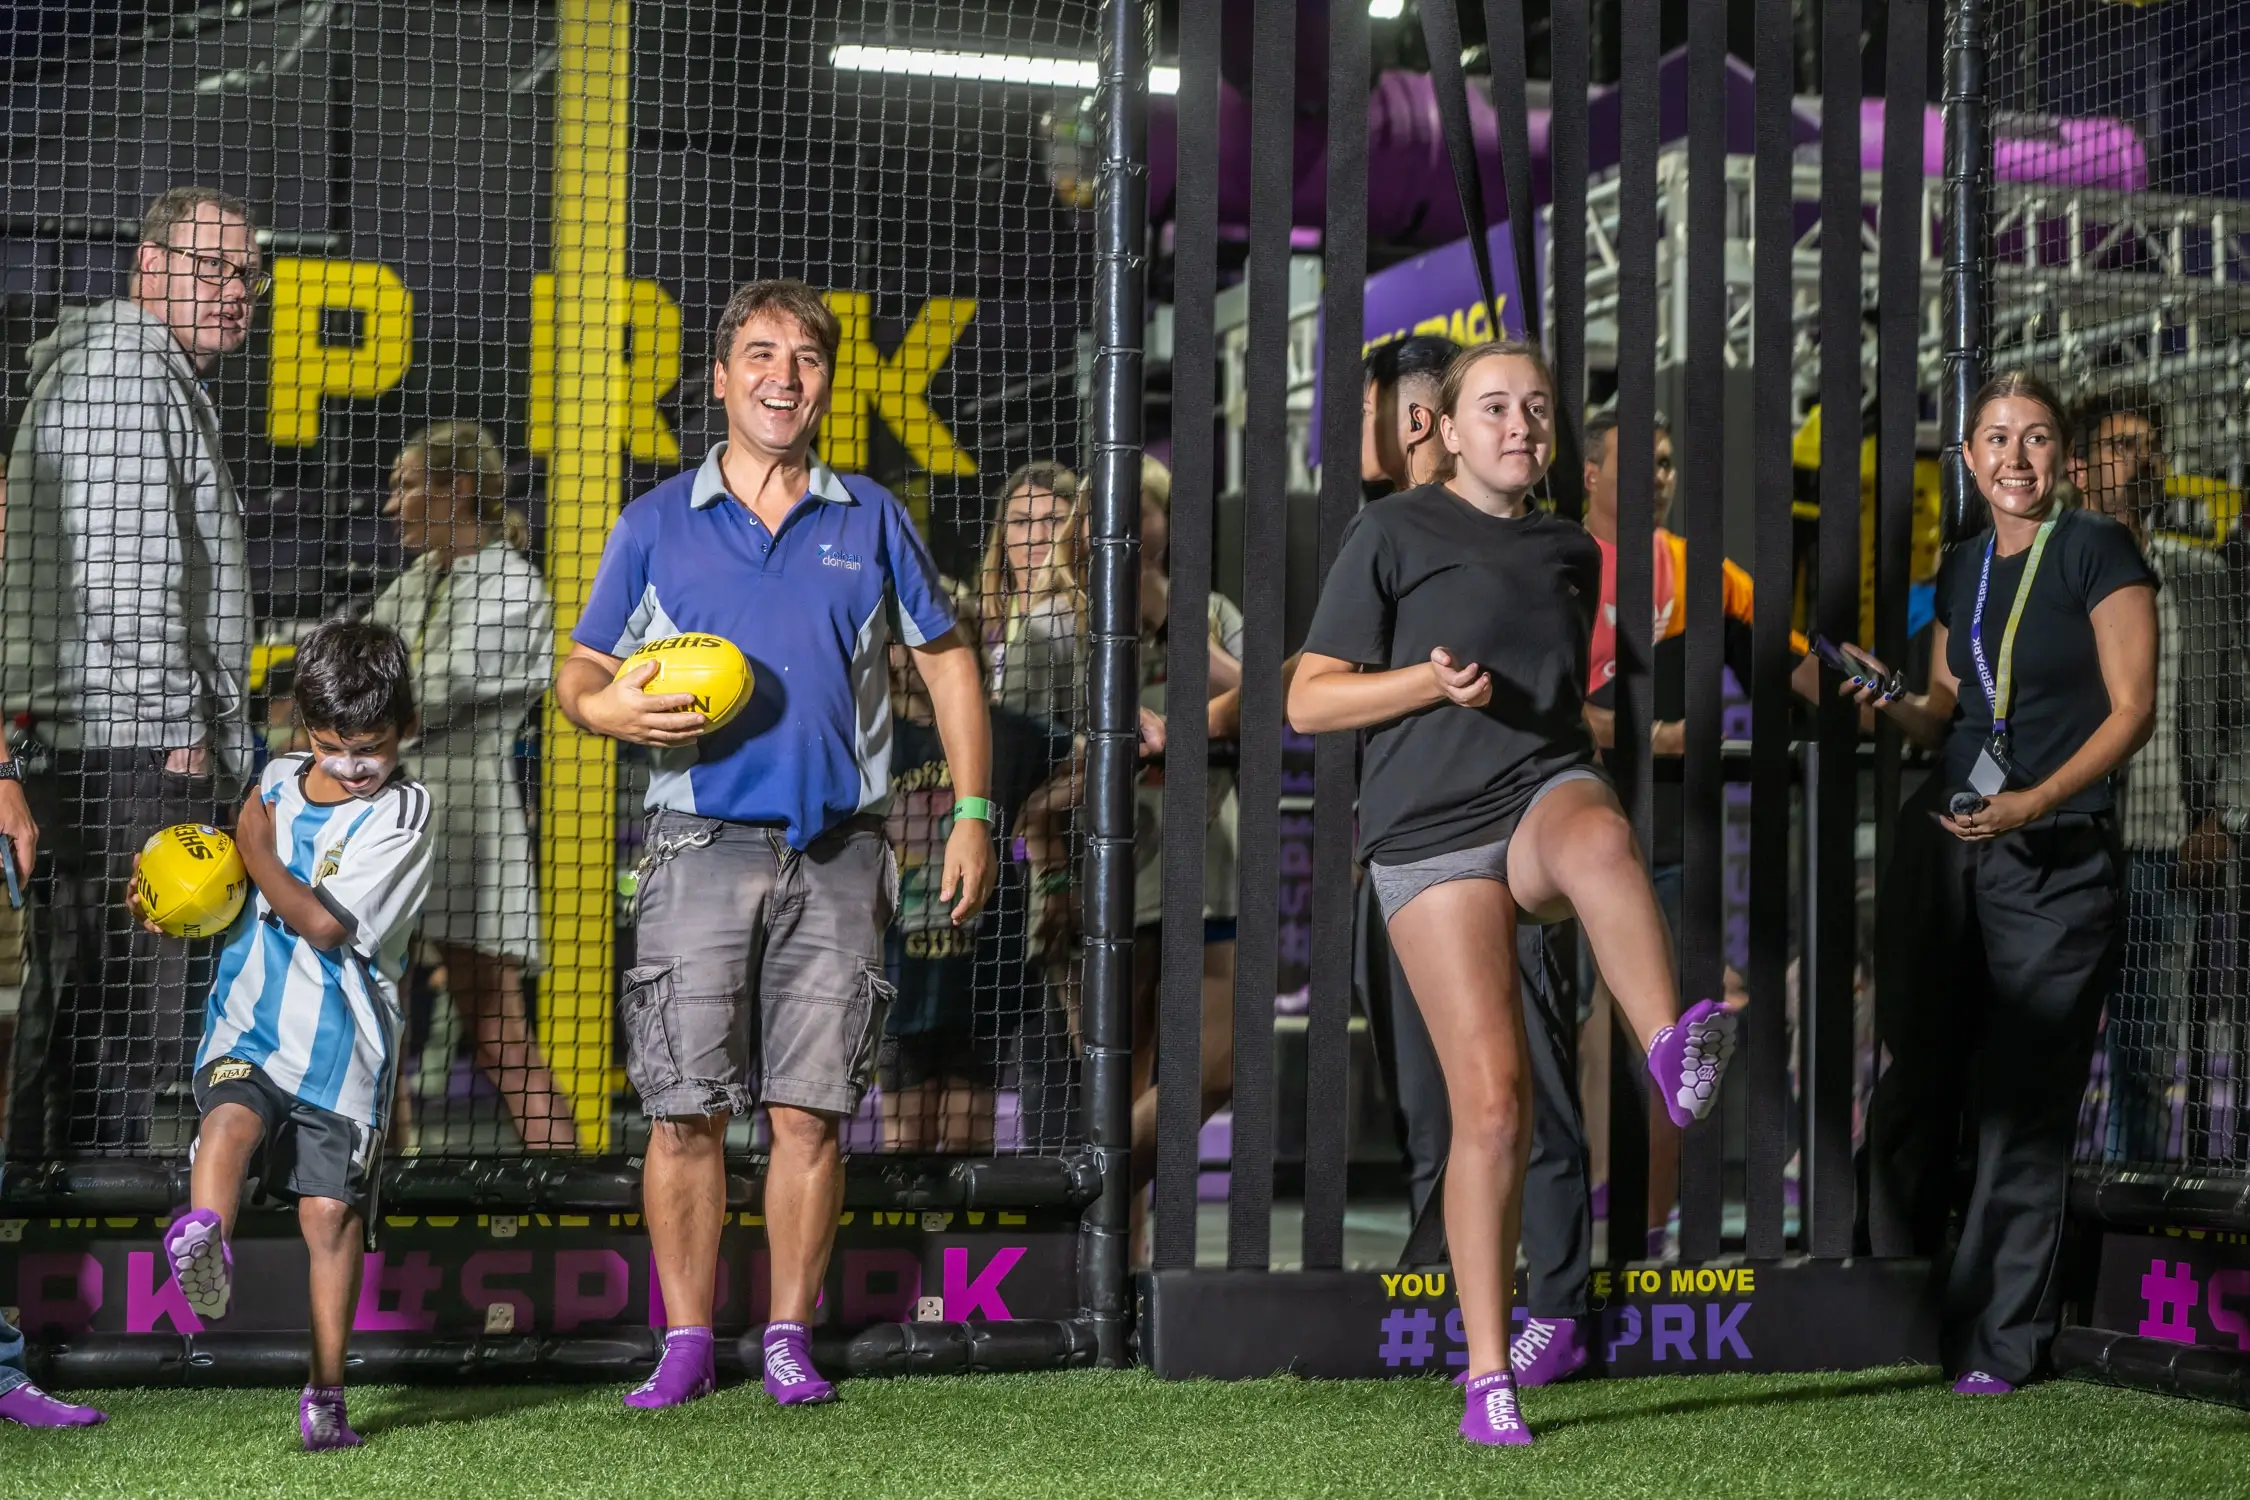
[[1395, 885], [306, 1151], [741, 936]]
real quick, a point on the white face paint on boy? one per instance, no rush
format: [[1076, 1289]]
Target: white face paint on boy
[[359, 765]]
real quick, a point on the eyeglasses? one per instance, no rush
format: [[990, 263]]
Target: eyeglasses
[[217, 270]]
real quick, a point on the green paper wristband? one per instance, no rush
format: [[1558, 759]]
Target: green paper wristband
[[979, 808]]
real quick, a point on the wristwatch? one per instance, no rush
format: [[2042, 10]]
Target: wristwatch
[[10, 771]]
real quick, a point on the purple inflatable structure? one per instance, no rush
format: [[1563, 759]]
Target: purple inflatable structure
[[1410, 198]]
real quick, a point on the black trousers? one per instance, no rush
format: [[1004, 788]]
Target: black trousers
[[1992, 963], [1558, 1222], [111, 1014]]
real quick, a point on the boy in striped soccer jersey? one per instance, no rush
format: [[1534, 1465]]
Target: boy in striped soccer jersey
[[301, 1036]]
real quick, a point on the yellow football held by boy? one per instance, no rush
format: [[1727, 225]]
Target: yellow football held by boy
[[337, 844]]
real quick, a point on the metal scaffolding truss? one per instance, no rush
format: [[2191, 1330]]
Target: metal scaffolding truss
[[2094, 287]]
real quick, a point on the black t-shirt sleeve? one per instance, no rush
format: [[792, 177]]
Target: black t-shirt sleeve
[[1354, 617], [1960, 560], [2104, 559]]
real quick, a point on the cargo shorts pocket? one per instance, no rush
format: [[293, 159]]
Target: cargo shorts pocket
[[876, 995], [650, 1065]]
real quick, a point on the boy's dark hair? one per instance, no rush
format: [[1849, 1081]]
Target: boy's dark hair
[[354, 677]]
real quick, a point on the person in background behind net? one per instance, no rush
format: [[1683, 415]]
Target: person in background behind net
[[1033, 600], [1454, 625], [125, 634], [477, 616], [947, 1022], [1223, 641], [21, 1401], [768, 881], [2001, 918], [2173, 811], [1667, 744]]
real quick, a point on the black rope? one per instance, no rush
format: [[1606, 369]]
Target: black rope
[[1702, 439], [1441, 32], [1187, 660], [1898, 389], [1566, 215], [1343, 314], [1636, 583], [1264, 551], [1504, 48], [1765, 1059], [1827, 1178]]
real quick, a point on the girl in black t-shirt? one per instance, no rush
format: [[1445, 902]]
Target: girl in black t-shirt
[[1454, 627], [2000, 924]]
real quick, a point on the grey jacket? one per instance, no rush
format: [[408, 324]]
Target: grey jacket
[[125, 612]]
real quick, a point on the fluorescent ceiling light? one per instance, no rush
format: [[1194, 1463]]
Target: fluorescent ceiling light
[[987, 67], [1386, 10]]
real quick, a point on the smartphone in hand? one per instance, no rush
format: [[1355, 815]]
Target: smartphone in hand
[[1854, 665], [14, 875]]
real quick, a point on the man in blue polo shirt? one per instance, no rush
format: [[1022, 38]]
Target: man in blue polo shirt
[[768, 880]]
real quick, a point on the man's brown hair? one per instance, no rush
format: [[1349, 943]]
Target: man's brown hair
[[180, 205], [792, 299]]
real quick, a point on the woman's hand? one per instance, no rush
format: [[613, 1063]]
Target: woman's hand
[[1469, 685], [2002, 814], [1866, 687], [1152, 733]]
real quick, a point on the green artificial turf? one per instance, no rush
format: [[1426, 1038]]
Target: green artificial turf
[[1893, 1432]]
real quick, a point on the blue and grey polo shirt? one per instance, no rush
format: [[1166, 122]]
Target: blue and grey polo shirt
[[806, 605]]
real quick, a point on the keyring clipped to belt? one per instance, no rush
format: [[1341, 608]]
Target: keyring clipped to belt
[[665, 847]]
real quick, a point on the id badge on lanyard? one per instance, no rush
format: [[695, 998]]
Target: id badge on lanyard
[[1995, 770]]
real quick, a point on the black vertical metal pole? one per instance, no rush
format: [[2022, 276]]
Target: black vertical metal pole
[[1273, 65], [1702, 437], [1904, 236], [1113, 678], [1566, 241], [1441, 35], [1636, 584], [1504, 50], [1343, 317], [1195, 282], [1968, 186], [1826, 1177], [1766, 1042]]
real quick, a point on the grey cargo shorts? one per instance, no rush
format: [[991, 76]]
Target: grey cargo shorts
[[741, 935]]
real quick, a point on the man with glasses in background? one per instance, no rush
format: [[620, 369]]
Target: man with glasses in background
[[125, 636], [2177, 810]]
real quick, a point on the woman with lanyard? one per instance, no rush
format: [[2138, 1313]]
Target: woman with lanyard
[[2001, 920], [1455, 628], [477, 616]]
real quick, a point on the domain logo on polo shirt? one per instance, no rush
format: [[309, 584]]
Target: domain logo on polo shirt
[[833, 556]]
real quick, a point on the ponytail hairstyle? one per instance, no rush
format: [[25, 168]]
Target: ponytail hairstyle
[[1457, 377], [454, 451], [2021, 385]]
